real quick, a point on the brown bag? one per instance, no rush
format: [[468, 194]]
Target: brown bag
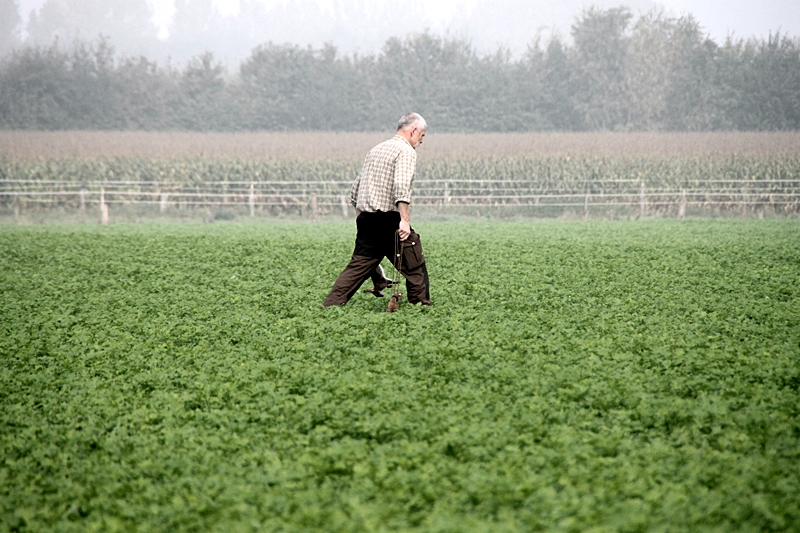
[[412, 252]]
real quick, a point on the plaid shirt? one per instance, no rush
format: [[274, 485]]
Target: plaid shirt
[[386, 177]]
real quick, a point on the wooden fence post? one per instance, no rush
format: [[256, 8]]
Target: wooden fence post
[[164, 202], [313, 207], [345, 211], [641, 201], [682, 205], [252, 199], [82, 195], [745, 194], [586, 208], [103, 207]]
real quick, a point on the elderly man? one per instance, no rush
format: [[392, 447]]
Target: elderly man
[[381, 195]]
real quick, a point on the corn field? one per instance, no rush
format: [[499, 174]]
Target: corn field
[[578, 175]]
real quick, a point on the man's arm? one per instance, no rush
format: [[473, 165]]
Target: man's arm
[[354, 193], [405, 220]]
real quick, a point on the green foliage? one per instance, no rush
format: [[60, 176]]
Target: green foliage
[[572, 377], [48, 88], [9, 20], [601, 54], [551, 172], [284, 185], [657, 73]]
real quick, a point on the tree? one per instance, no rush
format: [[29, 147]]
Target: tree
[[128, 22], [288, 87], [203, 95], [436, 76], [662, 89], [54, 89], [9, 26], [195, 25], [558, 75], [146, 96], [90, 100], [772, 87], [601, 47], [32, 92]]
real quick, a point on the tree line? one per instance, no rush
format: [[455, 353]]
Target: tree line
[[617, 73]]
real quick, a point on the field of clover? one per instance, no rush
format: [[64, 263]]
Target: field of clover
[[601, 376]]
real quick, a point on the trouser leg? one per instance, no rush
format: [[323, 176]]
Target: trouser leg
[[354, 274], [417, 284]]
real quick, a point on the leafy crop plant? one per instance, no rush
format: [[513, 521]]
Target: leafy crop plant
[[598, 377]]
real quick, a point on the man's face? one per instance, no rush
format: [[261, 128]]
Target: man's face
[[416, 136]]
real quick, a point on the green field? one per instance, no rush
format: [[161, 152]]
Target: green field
[[597, 377]]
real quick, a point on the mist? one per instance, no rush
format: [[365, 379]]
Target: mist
[[355, 65], [175, 31]]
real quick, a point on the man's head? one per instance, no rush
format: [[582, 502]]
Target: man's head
[[412, 128]]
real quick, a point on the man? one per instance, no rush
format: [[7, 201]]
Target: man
[[381, 195]]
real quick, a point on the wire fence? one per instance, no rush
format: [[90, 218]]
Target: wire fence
[[589, 199]]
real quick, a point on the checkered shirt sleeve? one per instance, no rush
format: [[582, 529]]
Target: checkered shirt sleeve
[[386, 177]]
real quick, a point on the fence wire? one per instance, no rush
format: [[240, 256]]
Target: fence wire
[[320, 198]]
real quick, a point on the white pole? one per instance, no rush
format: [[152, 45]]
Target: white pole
[[313, 207], [252, 199], [103, 207], [745, 195], [641, 201]]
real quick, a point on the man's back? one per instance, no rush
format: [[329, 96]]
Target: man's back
[[386, 176]]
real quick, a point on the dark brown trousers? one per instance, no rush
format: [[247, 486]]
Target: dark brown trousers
[[374, 241]]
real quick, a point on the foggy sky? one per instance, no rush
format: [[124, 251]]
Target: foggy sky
[[364, 25]]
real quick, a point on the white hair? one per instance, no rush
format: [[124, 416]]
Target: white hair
[[410, 120]]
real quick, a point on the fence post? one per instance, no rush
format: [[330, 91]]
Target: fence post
[[345, 211], [313, 207], [586, 208], [252, 199], [164, 205], [641, 201], [82, 195], [103, 207], [745, 194], [446, 192], [682, 205]]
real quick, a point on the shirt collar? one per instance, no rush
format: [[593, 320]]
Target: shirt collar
[[404, 140]]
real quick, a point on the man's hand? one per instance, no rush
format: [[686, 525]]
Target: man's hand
[[405, 220], [405, 229]]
